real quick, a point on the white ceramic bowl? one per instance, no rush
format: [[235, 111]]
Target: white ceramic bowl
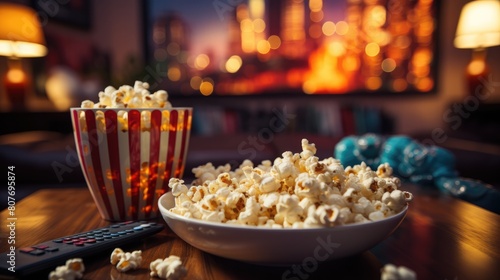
[[268, 246]]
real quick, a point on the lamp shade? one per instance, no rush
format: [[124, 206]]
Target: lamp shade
[[21, 34], [479, 25]]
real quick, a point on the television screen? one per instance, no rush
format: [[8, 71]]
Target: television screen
[[292, 47]]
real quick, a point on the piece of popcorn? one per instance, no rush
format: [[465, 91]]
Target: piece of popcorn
[[87, 104], [308, 149], [251, 213], [307, 186], [126, 261], [391, 272], [178, 187], [328, 215], [397, 199], [288, 210], [73, 269], [384, 170], [170, 268]]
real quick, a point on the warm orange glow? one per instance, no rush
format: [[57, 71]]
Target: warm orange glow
[[202, 61], [257, 8], [372, 49], [207, 87], [328, 28], [195, 82], [246, 25], [316, 16], [336, 48], [316, 5], [399, 84], [16, 76], [388, 65], [373, 83], [293, 21], [342, 28], [294, 77], [259, 25], [274, 42], [425, 84], [21, 34], [476, 67], [263, 47], [233, 64], [422, 57], [350, 63], [325, 73], [315, 31], [174, 73], [377, 15]]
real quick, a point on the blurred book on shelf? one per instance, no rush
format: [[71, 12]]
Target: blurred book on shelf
[[323, 119]]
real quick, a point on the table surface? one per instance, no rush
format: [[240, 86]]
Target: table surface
[[440, 238]]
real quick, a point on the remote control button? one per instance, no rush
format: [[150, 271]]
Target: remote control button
[[90, 241], [41, 247], [26, 249], [37, 252], [145, 225], [81, 243], [51, 249], [137, 228]]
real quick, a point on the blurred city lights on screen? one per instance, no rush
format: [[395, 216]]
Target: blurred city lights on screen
[[313, 46], [233, 64], [328, 28], [202, 61], [274, 42], [372, 49]]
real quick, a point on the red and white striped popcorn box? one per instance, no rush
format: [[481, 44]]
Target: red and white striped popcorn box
[[129, 155]]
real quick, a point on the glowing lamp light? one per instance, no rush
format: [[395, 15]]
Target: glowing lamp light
[[21, 35], [478, 28], [479, 25]]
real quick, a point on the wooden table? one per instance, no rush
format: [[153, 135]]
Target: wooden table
[[441, 238]]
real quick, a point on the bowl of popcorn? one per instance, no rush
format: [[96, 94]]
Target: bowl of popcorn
[[297, 209], [130, 143]]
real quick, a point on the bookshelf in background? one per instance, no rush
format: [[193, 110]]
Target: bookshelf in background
[[322, 119]]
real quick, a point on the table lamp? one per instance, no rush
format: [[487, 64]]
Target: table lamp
[[21, 36], [478, 28]]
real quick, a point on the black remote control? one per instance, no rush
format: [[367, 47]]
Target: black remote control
[[56, 252]]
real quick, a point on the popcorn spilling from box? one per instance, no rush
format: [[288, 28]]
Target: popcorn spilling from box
[[297, 190], [126, 96]]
